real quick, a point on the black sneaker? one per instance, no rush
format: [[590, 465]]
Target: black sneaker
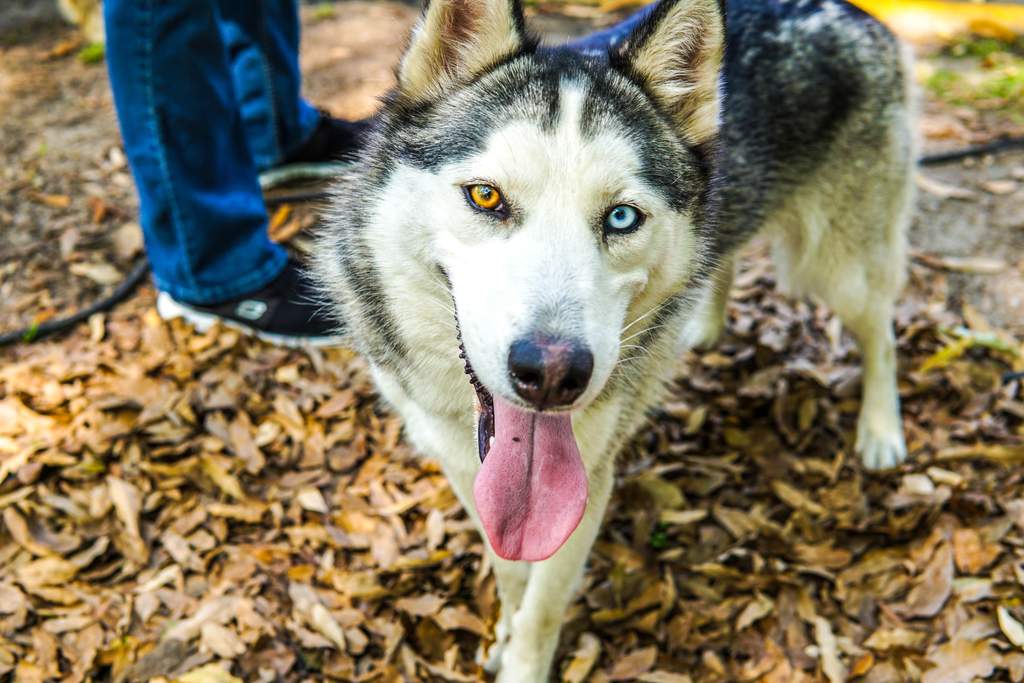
[[333, 140], [284, 313]]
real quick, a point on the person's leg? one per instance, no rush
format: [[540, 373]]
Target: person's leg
[[202, 210], [602, 41], [263, 46]]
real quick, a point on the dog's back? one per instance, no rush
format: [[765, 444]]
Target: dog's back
[[807, 82]]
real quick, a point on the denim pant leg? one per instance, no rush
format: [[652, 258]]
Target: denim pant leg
[[202, 211], [602, 41], [263, 46]]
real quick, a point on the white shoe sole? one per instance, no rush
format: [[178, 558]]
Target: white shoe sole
[[169, 309]]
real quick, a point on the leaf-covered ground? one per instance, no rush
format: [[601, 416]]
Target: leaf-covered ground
[[207, 508]]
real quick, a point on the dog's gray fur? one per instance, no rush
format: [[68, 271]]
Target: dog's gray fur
[[814, 150]]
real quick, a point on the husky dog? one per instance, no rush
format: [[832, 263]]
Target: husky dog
[[533, 234]]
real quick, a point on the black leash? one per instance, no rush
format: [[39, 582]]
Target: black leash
[[1001, 145], [120, 293], [138, 273]]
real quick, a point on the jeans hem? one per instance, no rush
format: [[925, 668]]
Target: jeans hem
[[205, 296]]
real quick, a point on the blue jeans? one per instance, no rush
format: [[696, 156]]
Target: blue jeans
[[207, 94], [602, 41]]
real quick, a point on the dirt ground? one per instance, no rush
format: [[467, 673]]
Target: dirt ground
[[178, 503]]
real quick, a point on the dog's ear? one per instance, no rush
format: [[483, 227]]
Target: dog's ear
[[677, 54], [455, 40]]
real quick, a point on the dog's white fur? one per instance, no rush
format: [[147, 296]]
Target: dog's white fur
[[87, 15]]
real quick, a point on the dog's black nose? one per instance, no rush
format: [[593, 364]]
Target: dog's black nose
[[548, 372]]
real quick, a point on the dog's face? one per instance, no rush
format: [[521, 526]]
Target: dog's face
[[562, 194], [563, 199]]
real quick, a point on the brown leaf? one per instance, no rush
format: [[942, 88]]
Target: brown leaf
[[828, 651], [757, 609], [960, 661], [100, 273], [971, 552], [459, 617], [1011, 628], [215, 469], [127, 241], [54, 201], [583, 659], [17, 527], [934, 586], [424, 605], [243, 444], [634, 664], [49, 571], [127, 502], [796, 498]]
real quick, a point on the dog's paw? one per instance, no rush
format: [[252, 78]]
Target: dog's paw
[[880, 448], [491, 660], [519, 671]]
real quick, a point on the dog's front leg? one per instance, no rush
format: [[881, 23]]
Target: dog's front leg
[[552, 584], [511, 577]]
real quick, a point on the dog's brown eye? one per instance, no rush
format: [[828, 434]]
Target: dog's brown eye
[[484, 197]]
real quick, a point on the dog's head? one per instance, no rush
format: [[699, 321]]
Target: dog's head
[[563, 199]]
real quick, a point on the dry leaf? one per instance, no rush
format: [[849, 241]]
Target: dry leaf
[[1011, 628], [971, 552], [220, 641], [307, 603], [634, 664], [100, 273], [210, 673], [583, 659], [1000, 187], [960, 661], [828, 651], [757, 609], [225, 481], [311, 499], [943, 190], [934, 586]]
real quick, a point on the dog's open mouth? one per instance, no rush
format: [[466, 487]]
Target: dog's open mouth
[[531, 490], [484, 404]]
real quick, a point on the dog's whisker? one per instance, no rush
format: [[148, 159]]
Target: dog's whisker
[[639, 318], [446, 321], [642, 332]]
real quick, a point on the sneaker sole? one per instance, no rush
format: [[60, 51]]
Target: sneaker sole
[[169, 309]]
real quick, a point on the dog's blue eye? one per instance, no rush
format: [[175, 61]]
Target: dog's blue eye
[[622, 218]]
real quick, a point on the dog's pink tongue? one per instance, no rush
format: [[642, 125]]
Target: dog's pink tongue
[[531, 489]]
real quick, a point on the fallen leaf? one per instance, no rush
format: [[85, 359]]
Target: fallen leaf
[[960, 661], [971, 552], [209, 673], [943, 190], [220, 641], [634, 664], [49, 571], [757, 609], [311, 499], [584, 657], [100, 273], [307, 603], [934, 586], [1000, 187], [54, 201], [828, 651], [1011, 628], [220, 476]]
